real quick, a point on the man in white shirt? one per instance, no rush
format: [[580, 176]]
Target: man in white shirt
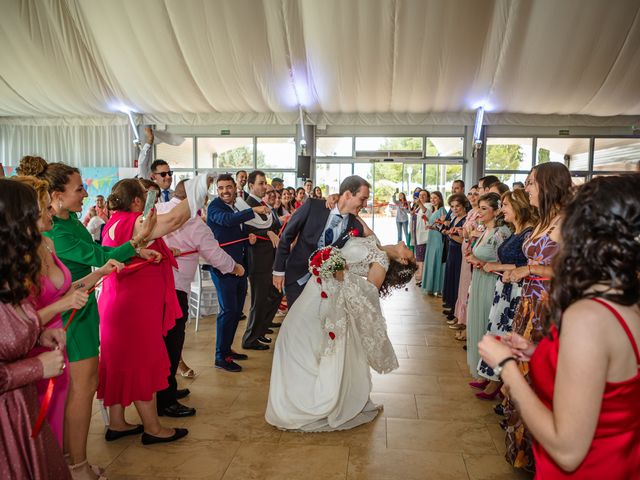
[[193, 235]]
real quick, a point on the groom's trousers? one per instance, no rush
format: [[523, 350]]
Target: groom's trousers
[[265, 300]]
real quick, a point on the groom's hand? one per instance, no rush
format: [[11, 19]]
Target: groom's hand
[[278, 282]]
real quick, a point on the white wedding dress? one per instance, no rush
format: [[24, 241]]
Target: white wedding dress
[[320, 380]]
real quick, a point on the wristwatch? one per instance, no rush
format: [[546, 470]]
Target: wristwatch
[[497, 370]]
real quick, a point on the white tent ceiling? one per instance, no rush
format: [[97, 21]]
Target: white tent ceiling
[[263, 57]]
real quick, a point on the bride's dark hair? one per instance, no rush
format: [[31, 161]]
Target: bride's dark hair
[[398, 275], [600, 245]]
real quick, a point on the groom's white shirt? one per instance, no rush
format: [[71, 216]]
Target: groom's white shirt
[[336, 230]]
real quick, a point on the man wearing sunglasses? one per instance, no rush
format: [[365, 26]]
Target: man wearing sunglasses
[[163, 176]]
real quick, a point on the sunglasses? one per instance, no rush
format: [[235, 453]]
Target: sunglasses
[[164, 174]]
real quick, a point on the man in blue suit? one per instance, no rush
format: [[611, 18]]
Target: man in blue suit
[[226, 222]]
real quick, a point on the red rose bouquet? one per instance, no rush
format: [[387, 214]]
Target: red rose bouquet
[[324, 263]]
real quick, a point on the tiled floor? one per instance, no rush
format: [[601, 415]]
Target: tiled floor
[[432, 426]]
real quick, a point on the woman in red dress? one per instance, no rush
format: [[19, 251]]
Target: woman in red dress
[[582, 405], [137, 308]]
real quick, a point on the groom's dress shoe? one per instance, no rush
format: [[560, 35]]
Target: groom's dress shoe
[[256, 346], [275, 325], [148, 439], [264, 339], [182, 393], [177, 410], [111, 435]]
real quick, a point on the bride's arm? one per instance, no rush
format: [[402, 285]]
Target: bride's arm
[[365, 228], [376, 274]]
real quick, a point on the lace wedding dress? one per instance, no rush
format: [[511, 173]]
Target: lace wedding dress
[[321, 378]]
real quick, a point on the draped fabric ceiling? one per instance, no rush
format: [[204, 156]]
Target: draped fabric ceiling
[[196, 61]]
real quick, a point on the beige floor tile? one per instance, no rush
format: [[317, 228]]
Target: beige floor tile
[[268, 462], [408, 338], [498, 435], [439, 436], [417, 384], [370, 464], [492, 467], [189, 458], [230, 424], [103, 453], [370, 435], [435, 407], [431, 366], [396, 405], [452, 354]]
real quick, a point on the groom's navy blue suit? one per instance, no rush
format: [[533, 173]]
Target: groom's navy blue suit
[[307, 228]]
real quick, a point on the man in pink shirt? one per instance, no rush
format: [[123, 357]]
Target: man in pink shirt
[[101, 210], [193, 235]]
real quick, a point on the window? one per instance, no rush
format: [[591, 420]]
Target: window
[[445, 146], [509, 178], [509, 154], [334, 146], [225, 152], [389, 144], [276, 152], [616, 154], [411, 179], [573, 152], [441, 176], [177, 157], [289, 178], [178, 176], [329, 176]]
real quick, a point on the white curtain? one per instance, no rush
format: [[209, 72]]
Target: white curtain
[[88, 57], [73, 144]]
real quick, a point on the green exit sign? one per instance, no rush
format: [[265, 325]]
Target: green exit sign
[[225, 132]]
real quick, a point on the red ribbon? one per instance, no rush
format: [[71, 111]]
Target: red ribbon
[[539, 279], [44, 407], [259, 237]]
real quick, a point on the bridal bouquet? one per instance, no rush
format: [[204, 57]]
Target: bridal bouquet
[[324, 263]]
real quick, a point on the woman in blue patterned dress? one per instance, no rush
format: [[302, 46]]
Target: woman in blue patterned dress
[[433, 271], [483, 283], [518, 212]]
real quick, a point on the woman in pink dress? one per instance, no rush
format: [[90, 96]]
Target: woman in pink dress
[[22, 456], [137, 308], [57, 294], [459, 320]]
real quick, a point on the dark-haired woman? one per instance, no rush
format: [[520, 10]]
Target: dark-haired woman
[[20, 455], [519, 213], [469, 232], [78, 252], [549, 187], [582, 405], [299, 198], [137, 308], [483, 283], [56, 294], [458, 203]]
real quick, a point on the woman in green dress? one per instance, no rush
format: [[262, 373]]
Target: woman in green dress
[[77, 250], [483, 283], [433, 272]]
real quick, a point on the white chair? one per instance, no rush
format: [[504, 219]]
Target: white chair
[[202, 298]]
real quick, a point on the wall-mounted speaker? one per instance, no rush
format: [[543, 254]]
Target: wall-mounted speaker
[[303, 168]]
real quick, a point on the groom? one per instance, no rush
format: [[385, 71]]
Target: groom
[[313, 226]]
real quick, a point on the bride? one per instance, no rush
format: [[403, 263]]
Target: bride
[[320, 380]]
